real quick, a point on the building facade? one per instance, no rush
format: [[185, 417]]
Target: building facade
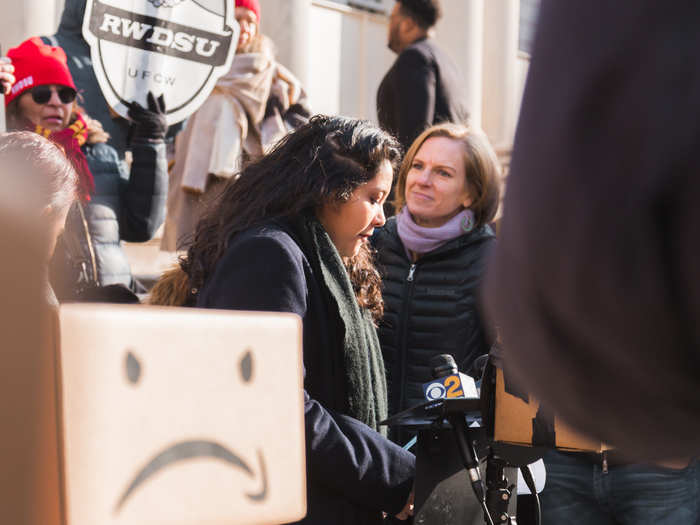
[[338, 49]]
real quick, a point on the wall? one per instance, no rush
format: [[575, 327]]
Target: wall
[[340, 52], [349, 57], [25, 18]]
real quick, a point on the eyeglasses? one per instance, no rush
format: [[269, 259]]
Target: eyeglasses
[[42, 94]]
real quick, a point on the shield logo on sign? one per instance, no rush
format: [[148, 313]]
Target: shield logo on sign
[[178, 48]]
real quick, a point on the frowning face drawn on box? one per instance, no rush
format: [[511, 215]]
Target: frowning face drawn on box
[[175, 416], [193, 449]]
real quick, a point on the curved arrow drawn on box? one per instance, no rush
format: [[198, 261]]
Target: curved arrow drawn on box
[[187, 450]]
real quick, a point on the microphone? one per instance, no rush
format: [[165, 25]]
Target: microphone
[[448, 382]]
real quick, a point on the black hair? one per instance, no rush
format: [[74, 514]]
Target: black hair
[[321, 162], [425, 13]]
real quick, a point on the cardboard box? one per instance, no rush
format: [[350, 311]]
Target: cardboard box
[[521, 421], [169, 416], [26, 387]]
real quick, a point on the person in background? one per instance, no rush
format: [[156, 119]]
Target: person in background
[[114, 204], [423, 86], [432, 257], [291, 235], [47, 186], [254, 105]]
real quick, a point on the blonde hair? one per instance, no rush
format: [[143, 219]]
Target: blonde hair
[[481, 167], [172, 289]]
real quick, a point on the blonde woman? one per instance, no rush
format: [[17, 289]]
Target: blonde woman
[[431, 256]]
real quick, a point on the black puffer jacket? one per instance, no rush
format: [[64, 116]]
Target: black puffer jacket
[[430, 308], [124, 206]]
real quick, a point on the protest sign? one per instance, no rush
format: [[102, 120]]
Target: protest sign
[[137, 414], [178, 48]]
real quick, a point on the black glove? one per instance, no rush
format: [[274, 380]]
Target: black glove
[[148, 124]]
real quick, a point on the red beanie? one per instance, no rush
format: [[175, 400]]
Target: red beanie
[[37, 64], [253, 5]]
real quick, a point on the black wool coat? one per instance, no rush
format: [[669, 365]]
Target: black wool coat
[[353, 472], [422, 88], [431, 307]]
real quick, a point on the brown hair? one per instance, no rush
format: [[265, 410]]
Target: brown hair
[[481, 167], [40, 166], [172, 289]]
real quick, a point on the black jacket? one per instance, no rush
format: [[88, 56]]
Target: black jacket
[[422, 88], [353, 472], [430, 308], [596, 284], [124, 207]]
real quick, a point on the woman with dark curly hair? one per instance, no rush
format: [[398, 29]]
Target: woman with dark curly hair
[[291, 235]]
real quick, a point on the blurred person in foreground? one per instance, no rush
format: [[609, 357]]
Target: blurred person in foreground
[[251, 107], [48, 184], [595, 285], [432, 257], [291, 235], [114, 203]]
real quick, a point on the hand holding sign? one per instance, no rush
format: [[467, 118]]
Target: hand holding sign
[[6, 75], [148, 124], [172, 47]]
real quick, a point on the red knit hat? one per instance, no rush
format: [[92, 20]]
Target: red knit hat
[[253, 5], [37, 64]]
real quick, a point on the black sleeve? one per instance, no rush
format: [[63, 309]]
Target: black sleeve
[[595, 285], [264, 274], [144, 193], [414, 89]]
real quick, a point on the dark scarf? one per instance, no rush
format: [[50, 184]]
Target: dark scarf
[[362, 356], [70, 140]]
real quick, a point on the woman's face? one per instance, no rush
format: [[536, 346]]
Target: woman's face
[[248, 21], [436, 183], [53, 115], [351, 223]]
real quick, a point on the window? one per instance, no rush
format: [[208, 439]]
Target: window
[[529, 10], [377, 6]]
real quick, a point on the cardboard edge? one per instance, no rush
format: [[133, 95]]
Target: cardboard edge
[[60, 424]]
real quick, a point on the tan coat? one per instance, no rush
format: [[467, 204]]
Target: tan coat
[[228, 127]]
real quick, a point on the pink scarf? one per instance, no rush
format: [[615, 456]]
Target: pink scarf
[[420, 240]]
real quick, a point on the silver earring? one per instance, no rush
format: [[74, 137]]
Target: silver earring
[[468, 223]]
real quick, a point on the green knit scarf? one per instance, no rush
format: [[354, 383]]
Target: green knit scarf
[[362, 356]]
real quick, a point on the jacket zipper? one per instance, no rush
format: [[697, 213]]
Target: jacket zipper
[[411, 271], [404, 332], [91, 249], [605, 461]]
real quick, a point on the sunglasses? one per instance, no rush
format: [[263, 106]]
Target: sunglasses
[[42, 94]]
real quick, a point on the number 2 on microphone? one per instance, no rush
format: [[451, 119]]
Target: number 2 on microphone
[[454, 389]]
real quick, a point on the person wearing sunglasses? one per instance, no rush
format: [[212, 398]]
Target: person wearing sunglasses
[[114, 203]]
